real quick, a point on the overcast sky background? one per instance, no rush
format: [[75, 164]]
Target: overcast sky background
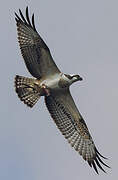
[[83, 38]]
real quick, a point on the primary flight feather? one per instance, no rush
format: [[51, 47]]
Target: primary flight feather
[[54, 85]]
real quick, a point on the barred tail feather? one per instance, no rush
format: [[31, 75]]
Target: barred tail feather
[[27, 90]]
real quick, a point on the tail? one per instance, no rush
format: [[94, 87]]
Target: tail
[[28, 91]]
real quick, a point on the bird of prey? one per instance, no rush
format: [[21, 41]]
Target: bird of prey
[[54, 85]]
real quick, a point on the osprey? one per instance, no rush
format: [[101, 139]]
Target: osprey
[[54, 85]]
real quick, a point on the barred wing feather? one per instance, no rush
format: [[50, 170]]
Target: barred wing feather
[[68, 119], [35, 52]]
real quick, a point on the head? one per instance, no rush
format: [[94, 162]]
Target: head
[[74, 78]]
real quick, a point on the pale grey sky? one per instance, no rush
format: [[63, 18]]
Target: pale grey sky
[[83, 38]]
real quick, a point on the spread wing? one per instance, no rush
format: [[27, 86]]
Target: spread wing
[[70, 122], [35, 52]]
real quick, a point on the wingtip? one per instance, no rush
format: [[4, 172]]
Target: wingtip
[[33, 23], [26, 20], [20, 11], [100, 154], [27, 8], [97, 162], [27, 11]]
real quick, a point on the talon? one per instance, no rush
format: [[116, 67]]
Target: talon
[[46, 90]]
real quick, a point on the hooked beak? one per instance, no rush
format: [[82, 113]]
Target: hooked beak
[[80, 78]]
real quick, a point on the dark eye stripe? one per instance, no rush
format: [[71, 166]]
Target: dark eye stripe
[[75, 76], [68, 76]]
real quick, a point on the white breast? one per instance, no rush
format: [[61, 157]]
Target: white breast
[[52, 81]]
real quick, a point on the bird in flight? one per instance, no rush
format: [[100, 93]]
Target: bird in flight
[[54, 85]]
